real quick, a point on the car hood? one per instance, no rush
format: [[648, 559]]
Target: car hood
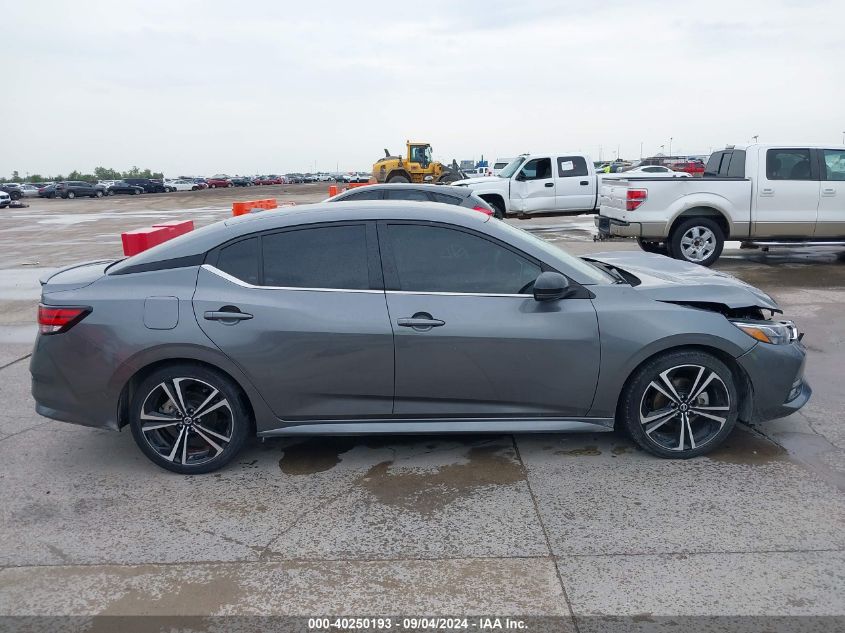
[[666, 279], [476, 181]]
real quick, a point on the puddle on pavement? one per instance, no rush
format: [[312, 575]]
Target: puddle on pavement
[[589, 451], [315, 455], [808, 450], [743, 446], [428, 492]]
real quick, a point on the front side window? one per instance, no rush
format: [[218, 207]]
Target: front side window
[[537, 169], [834, 164], [571, 166], [511, 167], [321, 257], [439, 259], [788, 164]]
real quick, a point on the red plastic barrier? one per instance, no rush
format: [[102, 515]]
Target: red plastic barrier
[[332, 191], [177, 227], [242, 208], [139, 240]]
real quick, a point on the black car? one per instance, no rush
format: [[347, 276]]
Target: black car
[[124, 187], [13, 189], [241, 181], [47, 191], [445, 194], [77, 188], [147, 184]]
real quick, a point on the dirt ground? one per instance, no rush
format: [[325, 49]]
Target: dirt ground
[[579, 527]]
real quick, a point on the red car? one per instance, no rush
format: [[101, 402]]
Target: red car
[[268, 180], [216, 182], [692, 167]]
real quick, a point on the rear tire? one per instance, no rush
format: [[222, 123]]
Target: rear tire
[[70, 195], [99, 193], [680, 404], [697, 240], [189, 418]]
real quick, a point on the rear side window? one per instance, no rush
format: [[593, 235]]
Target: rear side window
[[788, 164], [834, 164], [443, 198], [406, 194], [439, 259], [241, 260], [569, 166], [538, 169], [322, 257], [370, 194]]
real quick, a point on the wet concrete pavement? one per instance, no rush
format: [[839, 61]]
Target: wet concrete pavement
[[576, 526]]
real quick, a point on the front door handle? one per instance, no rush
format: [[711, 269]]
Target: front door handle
[[585, 182], [767, 191], [223, 315], [829, 191], [550, 184], [421, 321]]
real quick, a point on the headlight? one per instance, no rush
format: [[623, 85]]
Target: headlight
[[773, 332]]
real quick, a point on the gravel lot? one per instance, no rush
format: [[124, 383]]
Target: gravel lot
[[574, 526]]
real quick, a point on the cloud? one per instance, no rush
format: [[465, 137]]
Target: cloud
[[208, 87]]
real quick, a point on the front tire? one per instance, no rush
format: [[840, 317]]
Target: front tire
[[70, 195], [189, 418], [680, 404], [398, 178], [697, 240], [498, 208]]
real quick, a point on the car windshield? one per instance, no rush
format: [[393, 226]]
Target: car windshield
[[594, 273], [510, 170]]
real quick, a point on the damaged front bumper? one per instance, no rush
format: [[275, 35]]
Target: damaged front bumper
[[776, 373]]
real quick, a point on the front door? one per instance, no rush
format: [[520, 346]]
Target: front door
[[575, 188], [471, 341], [787, 194], [533, 189], [301, 312], [831, 218]]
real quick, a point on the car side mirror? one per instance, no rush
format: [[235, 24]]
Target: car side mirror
[[520, 176], [551, 286]]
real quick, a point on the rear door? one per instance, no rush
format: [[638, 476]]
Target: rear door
[[786, 193], [831, 217], [471, 341], [302, 312], [575, 189], [534, 186]]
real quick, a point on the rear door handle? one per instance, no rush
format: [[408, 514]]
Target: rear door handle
[[550, 184], [829, 191], [222, 315], [421, 322], [585, 182]]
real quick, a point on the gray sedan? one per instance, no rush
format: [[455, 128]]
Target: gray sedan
[[403, 317], [445, 194]]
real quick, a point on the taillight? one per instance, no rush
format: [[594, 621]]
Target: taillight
[[52, 320], [635, 198], [484, 210]]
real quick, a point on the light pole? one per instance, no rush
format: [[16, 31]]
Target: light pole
[[670, 146], [843, 138], [662, 147], [641, 150]]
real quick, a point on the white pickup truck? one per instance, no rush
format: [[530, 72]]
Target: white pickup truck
[[540, 183], [763, 195]]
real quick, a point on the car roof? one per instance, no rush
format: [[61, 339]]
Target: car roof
[[204, 239]]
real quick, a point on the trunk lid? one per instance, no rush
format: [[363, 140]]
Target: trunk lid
[[74, 277]]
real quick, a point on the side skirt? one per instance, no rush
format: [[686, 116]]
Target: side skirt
[[440, 425]]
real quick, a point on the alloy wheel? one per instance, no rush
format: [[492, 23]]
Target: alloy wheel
[[187, 421], [698, 243], [684, 407]]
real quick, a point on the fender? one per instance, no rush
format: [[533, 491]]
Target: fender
[[738, 219]]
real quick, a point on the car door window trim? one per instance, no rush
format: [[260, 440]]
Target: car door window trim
[[244, 284]]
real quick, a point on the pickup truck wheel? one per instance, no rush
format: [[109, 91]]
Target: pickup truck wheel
[[697, 240], [653, 247], [498, 208]]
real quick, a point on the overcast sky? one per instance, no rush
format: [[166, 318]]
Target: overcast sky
[[202, 87]]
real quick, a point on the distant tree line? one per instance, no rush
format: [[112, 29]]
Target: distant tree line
[[100, 173]]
